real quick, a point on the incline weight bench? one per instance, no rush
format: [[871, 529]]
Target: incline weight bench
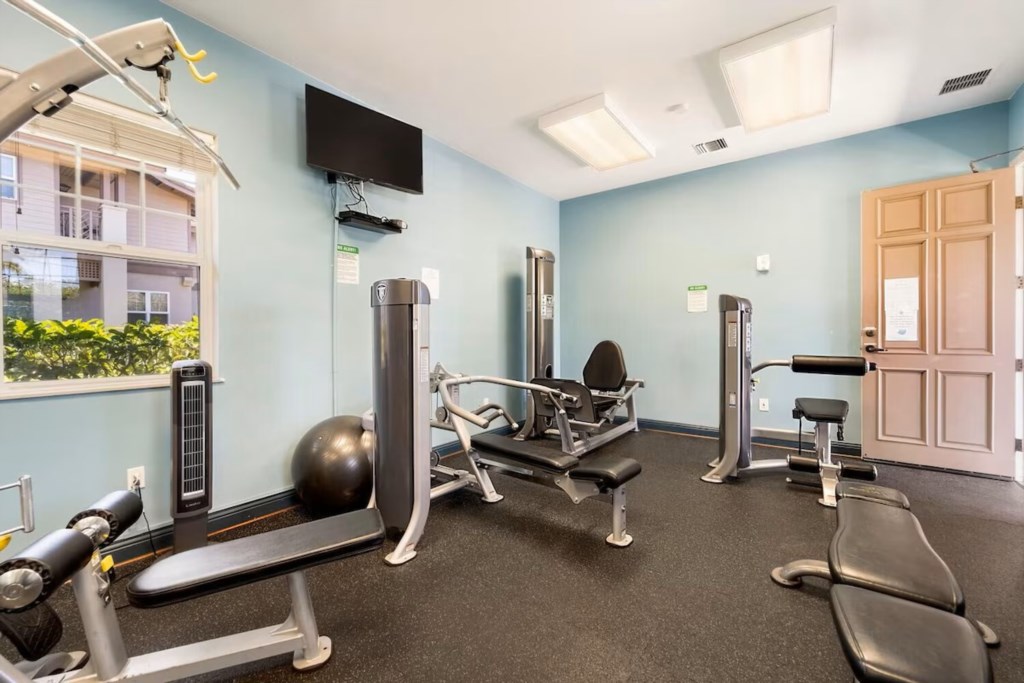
[[582, 424], [34, 574], [891, 594]]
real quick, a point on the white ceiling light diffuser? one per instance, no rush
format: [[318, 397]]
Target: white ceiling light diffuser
[[784, 74], [595, 132]]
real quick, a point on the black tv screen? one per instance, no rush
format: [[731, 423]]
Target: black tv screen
[[351, 140]]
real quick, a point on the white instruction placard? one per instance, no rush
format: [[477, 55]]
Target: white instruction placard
[[431, 277], [346, 265], [697, 299], [547, 306], [902, 295]]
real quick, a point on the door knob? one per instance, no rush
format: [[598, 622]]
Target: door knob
[[871, 348]]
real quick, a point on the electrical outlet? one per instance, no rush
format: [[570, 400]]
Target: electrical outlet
[[136, 474], [762, 405]]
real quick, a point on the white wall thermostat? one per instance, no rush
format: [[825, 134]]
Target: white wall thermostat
[[764, 263]]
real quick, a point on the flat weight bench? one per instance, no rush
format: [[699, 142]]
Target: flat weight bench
[[890, 640], [882, 548], [825, 412], [579, 478], [34, 574]]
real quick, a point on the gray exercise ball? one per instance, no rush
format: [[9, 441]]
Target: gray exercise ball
[[332, 467]]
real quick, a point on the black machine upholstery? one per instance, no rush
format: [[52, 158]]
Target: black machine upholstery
[[883, 548], [583, 409], [606, 368], [889, 640], [526, 451], [861, 490], [120, 509], [34, 632], [853, 366], [221, 566], [608, 472], [830, 410]]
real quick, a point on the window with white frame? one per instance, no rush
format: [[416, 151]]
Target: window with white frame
[[107, 260], [150, 307], [8, 176]]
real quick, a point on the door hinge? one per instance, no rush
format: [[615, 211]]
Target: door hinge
[[1020, 282], [1020, 365], [1018, 446], [1020, 202]]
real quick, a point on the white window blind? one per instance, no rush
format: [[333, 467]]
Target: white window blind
[[93, 127]]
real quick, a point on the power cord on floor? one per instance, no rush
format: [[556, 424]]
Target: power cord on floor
[[137, 489]]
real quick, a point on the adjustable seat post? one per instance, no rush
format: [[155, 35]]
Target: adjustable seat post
[[827, 469]]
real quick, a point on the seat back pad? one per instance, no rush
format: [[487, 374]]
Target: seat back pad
[[221, 566], [883, 548]]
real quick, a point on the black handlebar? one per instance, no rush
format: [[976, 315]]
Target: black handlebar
[[851, 366]]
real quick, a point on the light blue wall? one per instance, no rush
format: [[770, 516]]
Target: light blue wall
[[1017, 119], [275, 258], [628, 255]]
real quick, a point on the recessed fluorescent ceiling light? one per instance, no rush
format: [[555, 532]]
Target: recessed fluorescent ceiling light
[[596, 133], [784, 74]]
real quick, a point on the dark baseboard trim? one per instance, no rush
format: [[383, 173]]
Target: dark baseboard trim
[[163, 536], [838, 447]]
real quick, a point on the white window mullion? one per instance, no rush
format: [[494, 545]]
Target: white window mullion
[[77, 218], [142, 204]]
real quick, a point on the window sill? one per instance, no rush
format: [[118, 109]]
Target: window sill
[[14, 391]]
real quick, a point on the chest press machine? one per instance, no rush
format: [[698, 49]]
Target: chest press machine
[[736, 385]]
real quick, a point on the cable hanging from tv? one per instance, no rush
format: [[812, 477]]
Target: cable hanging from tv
[[361, 219]]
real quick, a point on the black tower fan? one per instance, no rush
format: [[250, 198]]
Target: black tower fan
[[191, 452]]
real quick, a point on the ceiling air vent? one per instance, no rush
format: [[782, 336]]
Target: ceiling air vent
[[966, 81], [710, 146]]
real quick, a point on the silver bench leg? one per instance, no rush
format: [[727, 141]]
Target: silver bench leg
[[791, 575], [316, 649], [619, 537], [988, 636]]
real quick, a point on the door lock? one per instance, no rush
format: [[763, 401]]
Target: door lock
[[870, 331]]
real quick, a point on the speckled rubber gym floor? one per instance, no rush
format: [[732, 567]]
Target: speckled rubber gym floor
[[527, 590]]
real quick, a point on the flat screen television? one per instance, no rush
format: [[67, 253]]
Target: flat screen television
[[348, 139]]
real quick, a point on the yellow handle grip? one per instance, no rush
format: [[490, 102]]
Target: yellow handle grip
[[5, 541], [106, 563], [197, 57], [208, 78]]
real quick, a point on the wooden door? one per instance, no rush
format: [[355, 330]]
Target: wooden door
[[937, 316]]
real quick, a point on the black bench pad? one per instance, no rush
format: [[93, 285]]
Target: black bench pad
[[862, 490], [524, 451], [829, 410], [889, 640], [221, 566], [607, 471], [882, 548]]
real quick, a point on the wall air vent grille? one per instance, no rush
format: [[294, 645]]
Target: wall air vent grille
[[966, 81], [710, 146]]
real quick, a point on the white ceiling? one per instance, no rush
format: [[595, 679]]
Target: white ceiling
[[476, 74]]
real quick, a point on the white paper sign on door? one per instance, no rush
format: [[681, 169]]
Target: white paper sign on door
[[901, 308]]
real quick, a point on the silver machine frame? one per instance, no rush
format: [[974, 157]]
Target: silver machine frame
[[454, 418], [46, 87], [108, 656], [576, 436], [405, 480], [736, 388]]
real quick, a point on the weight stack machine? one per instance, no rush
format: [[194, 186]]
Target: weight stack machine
[[191, 452], [540, 330]]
